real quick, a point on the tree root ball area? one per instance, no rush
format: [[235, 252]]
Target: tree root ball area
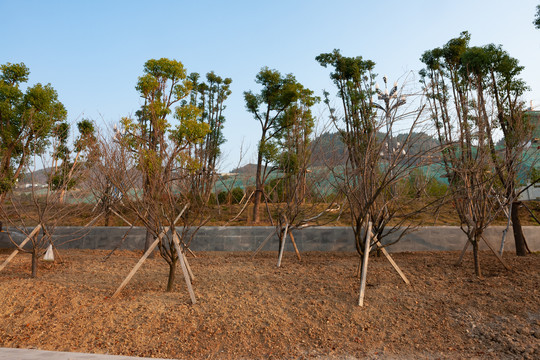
[[250, 309]]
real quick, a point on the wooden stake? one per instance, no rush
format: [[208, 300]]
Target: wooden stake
[[463, 253], [263, 243], [184, 268], [496, 254], [364, 266], [505, 231], [121, 217], [118, 245], [93, 220], [192, 277], [295, 248], [16, 251], [282, 245], [137, 266], [396, 267], [145, 256]]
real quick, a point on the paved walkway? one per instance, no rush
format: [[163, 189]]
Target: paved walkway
[[26, 354]]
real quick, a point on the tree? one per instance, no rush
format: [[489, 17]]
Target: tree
[[27, 121], [489, 79], [376, 164], [210, 98], [472, 91], [63, 168], [38, 224], [163, 84], [292, 186], [277, 94], [163, 153], [536, 21]]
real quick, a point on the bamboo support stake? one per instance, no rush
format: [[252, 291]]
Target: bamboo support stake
[[505, 231], [295, 248], [263, 243], [16, 251], [184, 268], [121, 217], [496, 254], [364, 266], [463, 253], [394, 264], [137, 266], [282, 245]]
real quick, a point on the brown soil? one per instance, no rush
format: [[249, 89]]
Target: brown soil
[[251, 309]]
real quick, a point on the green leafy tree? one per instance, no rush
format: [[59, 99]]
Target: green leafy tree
[[536, 21], [463, 84], [66, 173], [27, 121], [162, 148], [278, 93], [210, 97]]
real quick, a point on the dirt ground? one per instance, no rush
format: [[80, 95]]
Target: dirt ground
[[249, 309]]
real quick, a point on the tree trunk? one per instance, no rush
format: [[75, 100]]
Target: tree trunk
[[256, 205], [172, 276], [519, 238], [148, 242], [108, 219], [259, 188], [476, 257], [34, 263]]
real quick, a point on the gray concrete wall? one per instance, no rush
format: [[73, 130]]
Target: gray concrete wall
[[244, 238]]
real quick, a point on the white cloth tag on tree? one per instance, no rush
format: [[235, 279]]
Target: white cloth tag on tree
[[49, 254]]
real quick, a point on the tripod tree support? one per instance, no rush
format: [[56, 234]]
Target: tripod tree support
[[19, 247], [145, 256], [184, 267]]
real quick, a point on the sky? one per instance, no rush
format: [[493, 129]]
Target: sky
[[92, 52]]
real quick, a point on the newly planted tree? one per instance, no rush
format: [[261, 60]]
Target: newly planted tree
[[471, 92], [291, 190], [154, 163], [376, 165], [278, 93], [37, 209], [210, 98]]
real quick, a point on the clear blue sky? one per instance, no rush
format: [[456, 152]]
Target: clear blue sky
[[93, 51]]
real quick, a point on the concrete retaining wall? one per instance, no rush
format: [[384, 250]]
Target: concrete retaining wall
[[243, 238]]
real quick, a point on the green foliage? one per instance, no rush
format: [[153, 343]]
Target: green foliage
[[275, 189], [27, 121], [354, 79], [436, 188], [536, 21], [164, 84], [223, 197], [232, 197], [237, 194]]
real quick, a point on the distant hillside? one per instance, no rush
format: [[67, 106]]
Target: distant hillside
[[37, 177], [249, 169], [329, 149]]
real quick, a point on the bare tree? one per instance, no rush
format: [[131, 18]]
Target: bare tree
[[377, 165], [38, 218]]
